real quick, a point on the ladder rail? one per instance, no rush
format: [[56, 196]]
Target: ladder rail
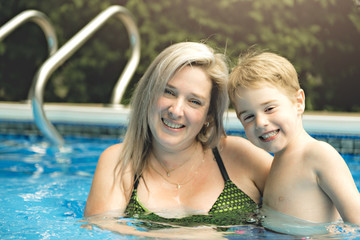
[[129, 70], [40, 19], [67, 50], [36, 17]]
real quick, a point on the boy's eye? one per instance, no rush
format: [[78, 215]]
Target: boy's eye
[[248, 118], [269, 109]]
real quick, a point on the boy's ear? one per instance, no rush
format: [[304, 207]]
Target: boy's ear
[[300, 101]]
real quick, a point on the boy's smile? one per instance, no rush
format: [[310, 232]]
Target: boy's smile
[[269, 117], [269, 136]]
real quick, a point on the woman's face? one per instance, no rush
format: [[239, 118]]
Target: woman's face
[[181, 111]]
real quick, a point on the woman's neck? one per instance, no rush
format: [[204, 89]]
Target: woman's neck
[[172, 159]]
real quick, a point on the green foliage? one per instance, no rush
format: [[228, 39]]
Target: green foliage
[[320, 37]]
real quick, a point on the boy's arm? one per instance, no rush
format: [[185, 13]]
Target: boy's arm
[[335, 178], [253, 160]]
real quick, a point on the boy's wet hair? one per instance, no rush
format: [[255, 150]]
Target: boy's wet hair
[[256, 69]]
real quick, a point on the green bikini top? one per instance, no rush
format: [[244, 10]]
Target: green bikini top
[[232, 207]]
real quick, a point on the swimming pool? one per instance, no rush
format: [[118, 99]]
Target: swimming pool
[[43, 190]]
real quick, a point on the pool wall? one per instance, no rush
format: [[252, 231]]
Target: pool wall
[[341, 131]]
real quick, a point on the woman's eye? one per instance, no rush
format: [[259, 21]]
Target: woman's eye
[[168, 91], [197, 102]]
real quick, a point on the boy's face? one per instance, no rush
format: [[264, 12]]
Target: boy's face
[[270, 119]]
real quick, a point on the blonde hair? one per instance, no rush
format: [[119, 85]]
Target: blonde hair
[[255, 69], [138, 138]]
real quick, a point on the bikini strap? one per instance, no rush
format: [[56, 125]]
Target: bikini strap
[[220, 164], [136, 182]]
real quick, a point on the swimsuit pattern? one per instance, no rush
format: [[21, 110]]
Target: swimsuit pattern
[[232, 207]]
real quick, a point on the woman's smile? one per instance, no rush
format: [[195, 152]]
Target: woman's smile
[[171, 124]]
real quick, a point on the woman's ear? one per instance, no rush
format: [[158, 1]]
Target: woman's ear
[[300, 101]]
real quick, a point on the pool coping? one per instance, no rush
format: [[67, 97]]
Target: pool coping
[[96, 114]]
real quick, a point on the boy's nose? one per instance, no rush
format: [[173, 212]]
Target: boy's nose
[[261, 121]]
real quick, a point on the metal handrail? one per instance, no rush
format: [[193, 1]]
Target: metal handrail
[[52, 63], [357, 4], [38, 18]]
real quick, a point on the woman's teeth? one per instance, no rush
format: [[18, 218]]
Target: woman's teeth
[[171, 125]]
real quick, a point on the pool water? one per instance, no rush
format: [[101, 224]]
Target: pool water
[[43, 193]]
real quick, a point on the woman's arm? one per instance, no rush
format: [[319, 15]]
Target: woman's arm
[[106, 193]]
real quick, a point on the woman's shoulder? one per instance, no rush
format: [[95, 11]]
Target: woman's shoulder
[[109, 160], [111, 154], [106, 193], [113, 149]]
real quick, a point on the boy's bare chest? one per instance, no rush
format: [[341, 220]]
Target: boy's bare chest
[[288, 184]]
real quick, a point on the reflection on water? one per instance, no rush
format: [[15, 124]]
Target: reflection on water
[[284, 223], [43, 193], [148, 229]]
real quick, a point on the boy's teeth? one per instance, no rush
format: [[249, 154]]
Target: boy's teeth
[[172, 125], [270, 134]]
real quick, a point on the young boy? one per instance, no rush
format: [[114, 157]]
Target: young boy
[[309, 182]]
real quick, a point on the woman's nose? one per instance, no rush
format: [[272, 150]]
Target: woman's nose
[[176, 109]]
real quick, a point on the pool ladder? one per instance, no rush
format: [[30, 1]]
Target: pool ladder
[[58, 57], [38, 18]]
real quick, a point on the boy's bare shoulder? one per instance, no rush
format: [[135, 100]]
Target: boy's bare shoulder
[[321, 153], [319, 148]]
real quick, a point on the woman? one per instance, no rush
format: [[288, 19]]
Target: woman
[[176, 163]]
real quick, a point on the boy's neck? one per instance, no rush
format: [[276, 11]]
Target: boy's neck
[[295, 146]]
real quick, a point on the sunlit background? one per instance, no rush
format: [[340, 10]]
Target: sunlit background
[[320, 37]]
